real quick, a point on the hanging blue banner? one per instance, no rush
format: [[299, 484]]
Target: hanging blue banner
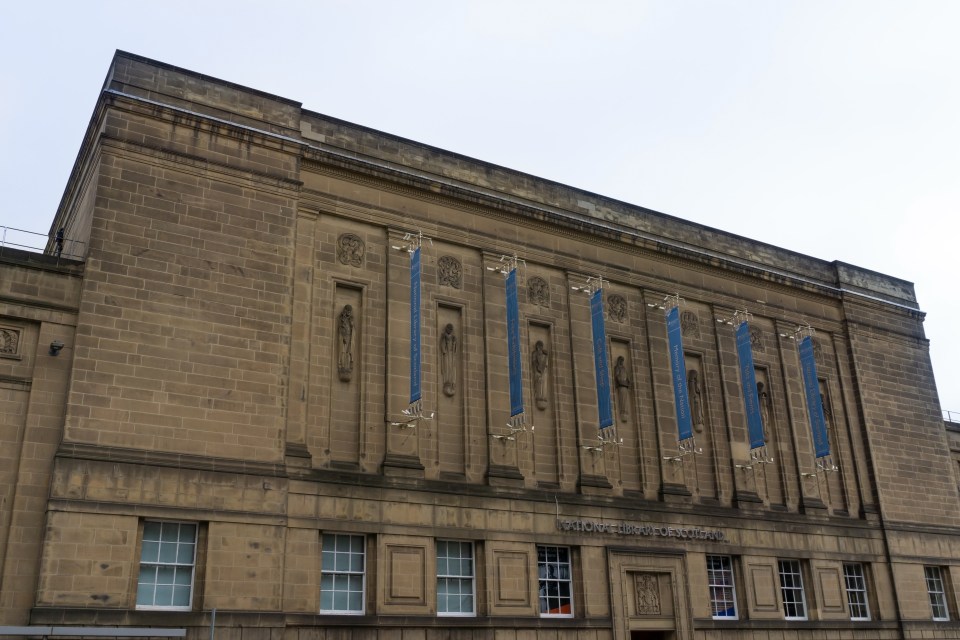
[[811, 387], [415, 392], [513, 346], [678, 373], [600, 364], [748, 380]]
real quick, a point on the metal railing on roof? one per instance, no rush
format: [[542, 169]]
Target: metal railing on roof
[[61, 245], [951, 416], [92, 632]]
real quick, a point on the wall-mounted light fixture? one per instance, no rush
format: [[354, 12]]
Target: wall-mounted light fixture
[[55, 347]]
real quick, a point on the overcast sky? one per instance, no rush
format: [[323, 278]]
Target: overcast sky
[[830, 128]]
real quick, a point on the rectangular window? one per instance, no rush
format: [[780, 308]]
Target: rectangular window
[[936, 589], [167, 558], [342, 574], [455, 584], [856, 585], [556, 581], [723, 593], [791, 589]]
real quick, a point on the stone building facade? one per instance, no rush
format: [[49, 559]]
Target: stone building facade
[[223, 428]]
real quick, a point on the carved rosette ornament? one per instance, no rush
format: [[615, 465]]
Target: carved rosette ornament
[[450, 271], [690, 324], [756, 340], [350, 249], [648, 594], [9, 342], [617, 306], [538, 292]]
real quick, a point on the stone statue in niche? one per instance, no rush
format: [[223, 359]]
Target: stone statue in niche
[[621, 380], [449, 271], [648, 594], [538, 363], [827, 413], [538, 292], [448, 360], [9, 341], [617, 306], [695, 394], [350, 249], [690, 324], [763, 398], [345, 341]]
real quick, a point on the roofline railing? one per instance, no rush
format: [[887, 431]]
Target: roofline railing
[[62, 246]]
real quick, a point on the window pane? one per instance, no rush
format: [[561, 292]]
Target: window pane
[[145, 594], [185, 553], [356, 563], [181, 596], [169, 531], [164, 597], [150, 551], [151, 530]]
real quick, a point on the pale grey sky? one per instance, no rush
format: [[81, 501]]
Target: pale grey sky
[[827, 127]]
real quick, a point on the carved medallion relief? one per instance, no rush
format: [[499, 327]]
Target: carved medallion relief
[[617, 308], [690, 324], [449, 271], [538, 292], [350, 249]]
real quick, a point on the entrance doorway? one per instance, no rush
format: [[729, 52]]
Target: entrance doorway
[[652, 635]]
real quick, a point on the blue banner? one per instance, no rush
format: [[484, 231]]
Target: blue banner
[[748, 380], [600, 364], [678, 373], [513, 346], [415, 391], [811, 387]]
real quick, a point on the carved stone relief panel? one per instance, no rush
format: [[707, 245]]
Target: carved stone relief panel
[[350, 249], [690, 324], [450, 272], [756, 340], [648, 594], [538, 291], [617, 308], [9, 341]]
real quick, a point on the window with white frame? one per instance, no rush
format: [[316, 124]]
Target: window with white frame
[[342, 574], [556, 581], [856, 584], [791, 590], [168, 554], [456, 593], [723, 592], [936, 589]]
